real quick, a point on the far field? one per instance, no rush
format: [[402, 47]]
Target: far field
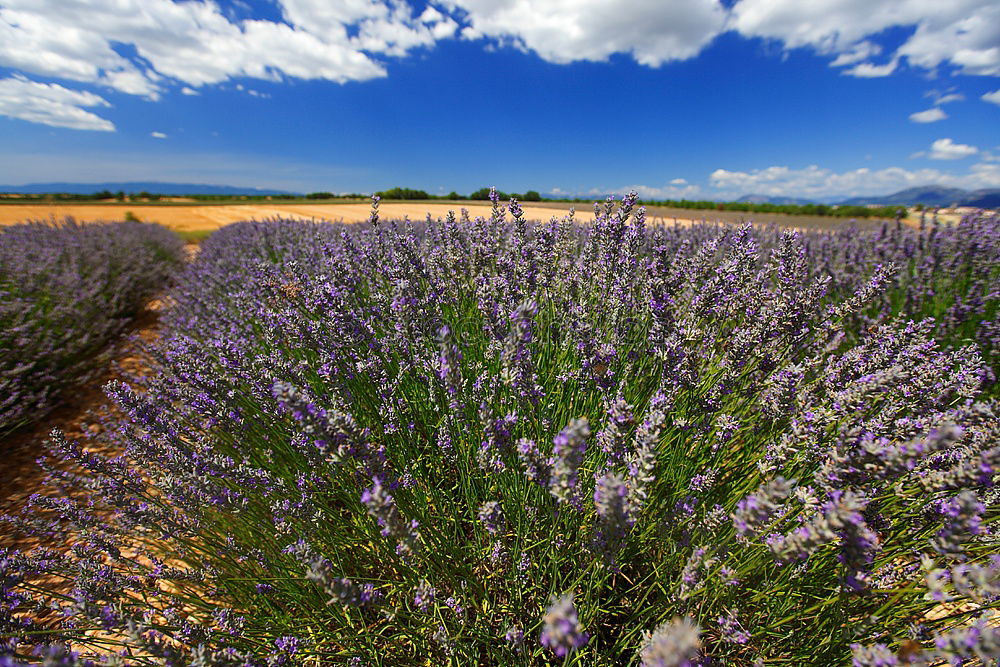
[[203, 217]]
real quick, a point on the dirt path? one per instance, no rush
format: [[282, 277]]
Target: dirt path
[[78, 416]]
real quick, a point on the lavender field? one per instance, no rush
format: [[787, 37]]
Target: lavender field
[[66, 291], [495, 441]]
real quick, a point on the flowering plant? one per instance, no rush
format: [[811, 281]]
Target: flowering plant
[[492, 441]]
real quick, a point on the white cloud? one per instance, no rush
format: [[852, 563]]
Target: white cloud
[[561, 31], [146, 47], [158, 135], [674, 190], [860, 51], [931, 115], [946, 149], [993, 97], [962, 33], [818, 182], [870, 71], [196, 44], [51, 104], [944, 97]]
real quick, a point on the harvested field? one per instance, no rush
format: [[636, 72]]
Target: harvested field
[[207, 217]]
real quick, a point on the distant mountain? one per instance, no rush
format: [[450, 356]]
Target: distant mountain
[[931, 195], [172, 189], [983, 199], [777, 201]]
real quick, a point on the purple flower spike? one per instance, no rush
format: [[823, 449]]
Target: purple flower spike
[[674, 644], [568, 451], [613, 521], [491, 515], [561, 632]]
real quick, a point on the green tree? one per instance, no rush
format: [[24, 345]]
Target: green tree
[[484, 193], [403, 193]]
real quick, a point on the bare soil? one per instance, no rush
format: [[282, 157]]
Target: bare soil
[[78, 416]]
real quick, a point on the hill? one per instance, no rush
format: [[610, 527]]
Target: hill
[[155, 187], [931, 195]]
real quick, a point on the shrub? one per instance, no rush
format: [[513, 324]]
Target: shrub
[[66, 290]]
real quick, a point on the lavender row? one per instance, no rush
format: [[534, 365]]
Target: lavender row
[[66, 290], [496, 442]]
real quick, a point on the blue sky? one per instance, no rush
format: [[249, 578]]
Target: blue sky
[[675, 98]]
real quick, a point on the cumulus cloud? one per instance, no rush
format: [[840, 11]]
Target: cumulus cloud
[[51, 104], [961, 33], [870, 71], [158, 135], [196, 44], [946, 149], [653, 32], [929, 116], [818, 182], [149, 47], [993, 97]]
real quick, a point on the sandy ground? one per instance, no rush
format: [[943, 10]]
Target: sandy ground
[[78, 416], [207, 217]]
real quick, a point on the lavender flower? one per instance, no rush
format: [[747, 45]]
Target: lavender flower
[[840, 519], [675, 643], [537, 467], [514, 636], [340, 589], [382, 507], [731, 630], [518, 369], [754, 511], [449, 363], [613, 521], [980, 641], [876, 655], [963, 519], [423, 595], [568, 450], [611, 439], [498, 439], [641, 461], [491, 516], [561, 631]]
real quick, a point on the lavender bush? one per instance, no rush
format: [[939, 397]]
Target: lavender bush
[[65, 291], [498, 442]]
